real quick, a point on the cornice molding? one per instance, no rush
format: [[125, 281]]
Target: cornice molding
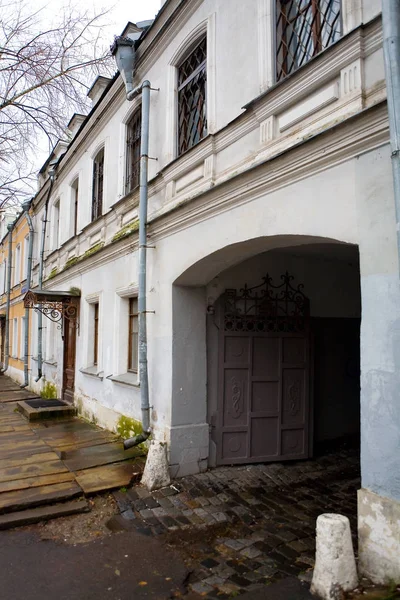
[[358, 134]]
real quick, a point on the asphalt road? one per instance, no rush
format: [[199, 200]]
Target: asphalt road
[[125, 566]]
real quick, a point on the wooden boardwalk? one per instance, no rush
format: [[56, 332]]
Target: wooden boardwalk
[[48, 467]]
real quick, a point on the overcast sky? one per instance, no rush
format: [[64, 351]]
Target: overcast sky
[[120, 11]]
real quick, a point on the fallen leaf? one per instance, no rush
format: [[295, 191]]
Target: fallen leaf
[[168, 578], [142, 583], [117, 572]]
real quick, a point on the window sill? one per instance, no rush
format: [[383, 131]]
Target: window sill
[[92, 372], [53, 363], [130, 379]]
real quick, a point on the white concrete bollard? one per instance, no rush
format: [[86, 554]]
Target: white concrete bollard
[[335, 566], [156, 470]]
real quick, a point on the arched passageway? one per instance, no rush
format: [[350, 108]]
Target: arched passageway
[[266, 350]]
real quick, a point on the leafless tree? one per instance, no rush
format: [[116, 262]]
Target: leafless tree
[[45, 72]]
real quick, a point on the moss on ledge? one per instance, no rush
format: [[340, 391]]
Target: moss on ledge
[[52, 273], [76, 259], [96, 248], [126, 231], [71, 262]]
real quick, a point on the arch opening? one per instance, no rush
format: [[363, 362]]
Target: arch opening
[[258, 393]]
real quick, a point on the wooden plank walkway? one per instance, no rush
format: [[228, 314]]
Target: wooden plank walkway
[[50, 464]]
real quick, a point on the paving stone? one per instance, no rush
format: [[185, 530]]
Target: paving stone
[[146, 513], [234, 544], [239, 580], [201, 588], [250, 552], [209, 563], [214, 580], [151, 502], [128, 514], [272, 508], [159, 512], [164, 502], [220, 517], [142, 492], [139, 505], [123, 501]]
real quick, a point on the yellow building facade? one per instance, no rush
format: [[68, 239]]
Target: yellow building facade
[[13, 353]]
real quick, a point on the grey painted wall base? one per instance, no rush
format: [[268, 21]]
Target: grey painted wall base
[[189, 445], [378, 537]]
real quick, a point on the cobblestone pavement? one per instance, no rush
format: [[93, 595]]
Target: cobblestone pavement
[[241, 528]]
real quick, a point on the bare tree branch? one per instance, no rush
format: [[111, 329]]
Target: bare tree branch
[[45, 73]]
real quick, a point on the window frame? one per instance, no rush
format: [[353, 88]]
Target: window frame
[[17, 267], [26, 255], [132, 147], [181, 148], [132, 316], [14, 350], [56, 224], [96, 311], [314, 39], [75, 205], [98, 184]]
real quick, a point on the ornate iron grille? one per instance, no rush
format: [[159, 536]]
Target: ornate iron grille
[[53, 310], [97, 191], [303, 29], [267, 308], [133, 151], [192, 116]]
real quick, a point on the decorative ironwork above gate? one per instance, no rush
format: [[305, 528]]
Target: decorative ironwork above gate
[[54, 305], [267, 308]]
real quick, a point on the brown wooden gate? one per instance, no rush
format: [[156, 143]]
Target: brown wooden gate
[[264, 374]]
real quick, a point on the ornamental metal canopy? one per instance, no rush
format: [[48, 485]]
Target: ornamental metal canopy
[[54, 305]]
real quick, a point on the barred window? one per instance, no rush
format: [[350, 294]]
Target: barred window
[[192, 114], [97, 191], [133, 151], [303, 29]]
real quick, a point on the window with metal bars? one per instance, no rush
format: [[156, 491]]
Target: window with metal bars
[[133, 136], [303, 29], [192, 108], [97, 191], [133, 335]]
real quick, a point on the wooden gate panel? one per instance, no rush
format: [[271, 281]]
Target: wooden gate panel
[[236, 398], [265, 360], [264, 365]]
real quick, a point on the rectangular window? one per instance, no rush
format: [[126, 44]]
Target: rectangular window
[[26, 252], [133, 137], [5, 276], [192, 114], [17, 266], [97, 191], [15, 338], [75, 200], [133, 335], [56, 224], [96, 333], [304, 28], [22, 340]]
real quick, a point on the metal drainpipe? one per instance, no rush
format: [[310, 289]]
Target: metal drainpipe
[[26, 207], [391, 49], [41, 265], [143, 197], [10, 228]]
